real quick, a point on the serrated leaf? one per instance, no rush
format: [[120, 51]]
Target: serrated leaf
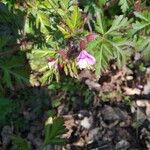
[[146, 52], [143, 23], [42, 21], [43, 53], [99, 23], [124, 5], [53, 130], [119, 23], [137, 26], [7, 79], [64, 32], [92, 44], [69, 22], [57, 75], [5, 108], [102, 58], [70, 69], [119, 55], [145, 49], [20, 144], [76, 17], [66, 70], [72, 22], [65, 4], [142, 16], [46, 78], [74, 67], [13, 71]]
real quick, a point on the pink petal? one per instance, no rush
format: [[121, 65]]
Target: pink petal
[[85, 59], [53, 63]]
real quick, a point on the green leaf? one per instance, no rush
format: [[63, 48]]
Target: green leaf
[[42, 21], [5, 108], [47, 77], [64, 32], [14, 69], [99, 23], [119, 23], [144, 22], [56, 103], [93, 45], [118, 52], [76, 17], [65, 4], [72, 22], [57, 127], [7, 78], [145, 48], [102, 58], [124, 5], [110, 44], [143, 16], [20, 144], [66, 70], [53, 130], [69, 22], [42, 55], [137, 26], [101, 2]]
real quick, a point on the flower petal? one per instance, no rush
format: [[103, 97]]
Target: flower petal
[[53, 64], [85, 59], [82, 64]]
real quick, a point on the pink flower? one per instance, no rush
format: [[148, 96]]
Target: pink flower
[[52, 63], [84, 59]]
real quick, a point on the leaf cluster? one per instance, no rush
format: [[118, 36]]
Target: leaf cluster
[[51, 24]]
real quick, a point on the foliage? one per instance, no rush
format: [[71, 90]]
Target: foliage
[[124, 5], [54, 127], [111, 43], [142, 26], [12, 70], [40, 41], [144, 22], [56, 26], [5, 109], [72, 23], [84, 93], [20, 144]]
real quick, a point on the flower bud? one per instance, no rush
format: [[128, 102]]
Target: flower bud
[[63, 54], [82, 44], [91, 37]]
